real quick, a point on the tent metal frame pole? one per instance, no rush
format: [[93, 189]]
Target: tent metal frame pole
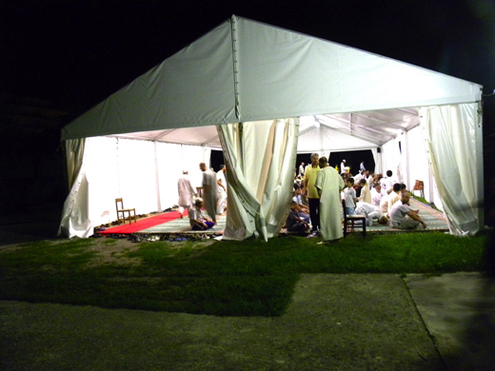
[[157, 178], [233, 35]]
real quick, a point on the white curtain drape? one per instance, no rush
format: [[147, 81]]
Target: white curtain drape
[[453, 135], [260, 159], [378, 160], [73, 216], [74, 152]]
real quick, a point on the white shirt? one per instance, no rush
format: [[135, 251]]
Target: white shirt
[[398, 213], [387, 183], [376, 197], [221, 177]]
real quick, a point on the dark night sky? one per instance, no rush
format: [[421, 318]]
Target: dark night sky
[[76, 53]]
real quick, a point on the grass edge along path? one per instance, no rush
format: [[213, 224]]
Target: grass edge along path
[[228, 278]]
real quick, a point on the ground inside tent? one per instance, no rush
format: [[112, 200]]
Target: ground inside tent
[[177, 227]]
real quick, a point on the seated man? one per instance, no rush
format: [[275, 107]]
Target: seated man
[[402, 216], [294, 222], [371, 211], [383, 206], [393, 197], [197, 221]]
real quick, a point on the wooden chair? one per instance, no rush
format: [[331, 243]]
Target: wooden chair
[[419, 186], [349, 222], [127, 214]]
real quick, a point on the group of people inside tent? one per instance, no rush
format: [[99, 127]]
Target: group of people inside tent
[[322, 195], [214, 200]]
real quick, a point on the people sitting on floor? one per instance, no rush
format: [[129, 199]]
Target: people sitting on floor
[[371, 212], [197, 220], [294, 222], [403, 217]]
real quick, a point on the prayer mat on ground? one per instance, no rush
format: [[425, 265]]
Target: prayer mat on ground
[[435, 220], [182, 226], [146, 223]]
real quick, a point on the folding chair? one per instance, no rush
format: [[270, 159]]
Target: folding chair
[[349, 222], [121, 211], [419, 186]]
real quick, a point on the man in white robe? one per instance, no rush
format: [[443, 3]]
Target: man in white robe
[[329, 184], [371, 211], [186, 193], [210, 192], [222, 189]]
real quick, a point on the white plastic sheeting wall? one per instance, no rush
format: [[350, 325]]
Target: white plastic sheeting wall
[[453, 137], [417, 166], [143, 173]]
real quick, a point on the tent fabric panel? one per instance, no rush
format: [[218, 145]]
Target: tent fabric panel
[[137, 176], [392, 159], [284, 73], [192, 88], [74, 153], [260, 157], [451, 132], [416, 159], [173, 159]]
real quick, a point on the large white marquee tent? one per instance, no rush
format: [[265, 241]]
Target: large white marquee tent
[[262, 94]]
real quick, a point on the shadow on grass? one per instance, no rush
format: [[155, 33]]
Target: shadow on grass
[[227, 278]]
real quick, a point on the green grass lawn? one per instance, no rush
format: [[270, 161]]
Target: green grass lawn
[[247, 278]]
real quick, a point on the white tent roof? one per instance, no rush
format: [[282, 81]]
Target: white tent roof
[[246, 71]]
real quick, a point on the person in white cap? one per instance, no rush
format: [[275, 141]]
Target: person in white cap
[[186, 193]]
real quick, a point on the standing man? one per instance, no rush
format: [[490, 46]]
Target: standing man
[[312, 193], [210, 191], [222, 189], [343, 169], [186, 193], [301, 169], [329, 185]]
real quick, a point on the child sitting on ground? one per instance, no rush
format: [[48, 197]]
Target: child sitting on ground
[[197, 220], [294, 222]]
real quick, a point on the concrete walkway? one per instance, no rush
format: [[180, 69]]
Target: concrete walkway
[[335, 322]]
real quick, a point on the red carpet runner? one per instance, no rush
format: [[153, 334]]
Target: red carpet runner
[[144, 223]]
